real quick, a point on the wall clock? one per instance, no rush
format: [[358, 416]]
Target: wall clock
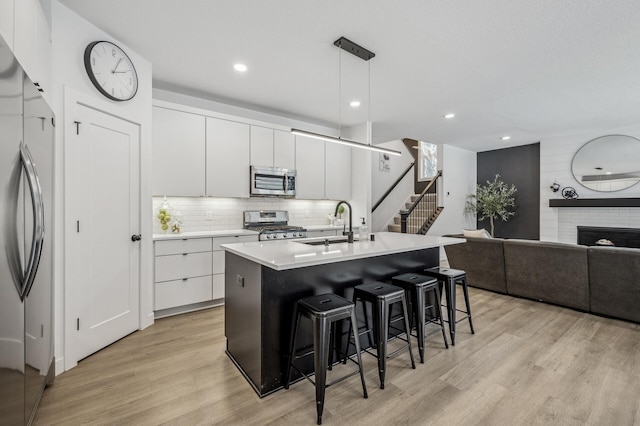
[[111, 70]]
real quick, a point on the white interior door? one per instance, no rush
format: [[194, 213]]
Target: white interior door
[[102, 187]]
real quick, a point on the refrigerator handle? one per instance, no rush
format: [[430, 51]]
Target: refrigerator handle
[[38, 219]]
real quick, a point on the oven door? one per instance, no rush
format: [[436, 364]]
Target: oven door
[[272, 182]]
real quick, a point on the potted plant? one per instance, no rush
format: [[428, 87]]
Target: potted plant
[[340, 222], [493, 200]]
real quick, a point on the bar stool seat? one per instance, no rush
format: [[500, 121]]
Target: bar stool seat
[[449, 277], [418, 289], [381, 296], [323, 311]]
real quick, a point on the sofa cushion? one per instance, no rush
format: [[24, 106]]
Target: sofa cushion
[[482, 259], [549, 272], [477, 233], [614, 278]]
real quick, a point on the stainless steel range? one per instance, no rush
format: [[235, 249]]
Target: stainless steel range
[[272, 225]]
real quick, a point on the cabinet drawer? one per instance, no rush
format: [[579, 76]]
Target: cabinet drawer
[[183, 266], [186, 245], [231, 240], [218, 262], [218, 286], [182, 292]]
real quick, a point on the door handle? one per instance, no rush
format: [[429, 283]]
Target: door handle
[[38, 219], [135, 237]]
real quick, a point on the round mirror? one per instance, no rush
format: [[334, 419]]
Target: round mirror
[[608, 163]]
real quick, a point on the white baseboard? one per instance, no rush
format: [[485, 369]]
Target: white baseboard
[[59, 365]]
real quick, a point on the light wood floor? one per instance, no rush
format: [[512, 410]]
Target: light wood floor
[[528, 363]]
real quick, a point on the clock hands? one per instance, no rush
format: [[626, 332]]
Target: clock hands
[[113, 71]]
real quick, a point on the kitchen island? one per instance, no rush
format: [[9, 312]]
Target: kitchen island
[[264, 280]]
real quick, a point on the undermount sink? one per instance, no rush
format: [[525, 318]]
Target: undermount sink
[[325, 241]]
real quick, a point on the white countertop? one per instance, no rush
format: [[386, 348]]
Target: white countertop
[[291, 254], [204, 234]]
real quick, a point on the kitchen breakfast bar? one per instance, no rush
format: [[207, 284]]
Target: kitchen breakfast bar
[[264, 280]]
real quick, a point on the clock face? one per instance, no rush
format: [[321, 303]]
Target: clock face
[[111, 70]]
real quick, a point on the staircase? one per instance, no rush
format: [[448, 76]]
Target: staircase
[[421, 211]]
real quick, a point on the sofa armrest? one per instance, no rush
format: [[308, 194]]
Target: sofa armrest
[[614, 279], [482, 259]]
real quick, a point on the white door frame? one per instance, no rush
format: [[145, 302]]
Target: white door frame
[[71, 98]]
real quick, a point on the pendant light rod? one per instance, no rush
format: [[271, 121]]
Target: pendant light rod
[[342, 141], [365, 54]]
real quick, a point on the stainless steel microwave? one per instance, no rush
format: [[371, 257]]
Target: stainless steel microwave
[[272, 182]]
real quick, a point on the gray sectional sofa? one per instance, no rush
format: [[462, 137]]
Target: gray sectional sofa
[[601, 280]]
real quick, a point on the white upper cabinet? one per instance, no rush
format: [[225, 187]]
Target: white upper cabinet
[[337, 172], [32, 42], [284, 150], [261, 146], [310, 168], [272, 148], [178, 147], [228, 145], [6, 21]]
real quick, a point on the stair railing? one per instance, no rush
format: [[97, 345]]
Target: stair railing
[[386, 194], [414, 219]]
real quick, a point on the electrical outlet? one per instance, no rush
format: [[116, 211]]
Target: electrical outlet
[[306, 213], [209, 215], [240, 280]]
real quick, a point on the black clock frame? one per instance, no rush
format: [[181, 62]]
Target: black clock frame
[[88, 69]]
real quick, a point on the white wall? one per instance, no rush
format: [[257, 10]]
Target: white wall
[[360, 169], [70, 35], [459, 174], [558, 224], [381, 181], [458, 180]]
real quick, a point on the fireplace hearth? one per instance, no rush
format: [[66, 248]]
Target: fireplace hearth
[[621, 237]]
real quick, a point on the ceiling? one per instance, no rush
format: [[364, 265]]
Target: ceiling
[[528, 69]]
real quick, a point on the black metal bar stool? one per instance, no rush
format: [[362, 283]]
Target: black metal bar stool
[[323, 311], [449, 277], [382, 296], [418, 289]]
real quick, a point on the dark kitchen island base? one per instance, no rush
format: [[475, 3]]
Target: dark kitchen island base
[[259, 304]]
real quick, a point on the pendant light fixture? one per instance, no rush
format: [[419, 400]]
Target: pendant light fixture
[[364, 54]]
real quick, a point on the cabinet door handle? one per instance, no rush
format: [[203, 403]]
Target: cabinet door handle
[[184, 254], [185, 279]]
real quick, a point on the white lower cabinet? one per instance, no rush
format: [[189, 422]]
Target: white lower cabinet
[[191, 270], [170, 294], [183, 272]]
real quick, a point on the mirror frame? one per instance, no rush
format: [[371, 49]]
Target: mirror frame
[[602, 140]]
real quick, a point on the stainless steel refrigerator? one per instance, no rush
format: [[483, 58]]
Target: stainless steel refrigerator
[[26, 267]]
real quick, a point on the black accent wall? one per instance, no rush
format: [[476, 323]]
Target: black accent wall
[[520, 166]]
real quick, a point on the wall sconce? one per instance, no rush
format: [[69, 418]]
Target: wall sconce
[[555, 187]]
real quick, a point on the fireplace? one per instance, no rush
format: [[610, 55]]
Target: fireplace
[[620, 237]]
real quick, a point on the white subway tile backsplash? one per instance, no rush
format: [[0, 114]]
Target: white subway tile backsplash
[[227, 212], [570, 218]]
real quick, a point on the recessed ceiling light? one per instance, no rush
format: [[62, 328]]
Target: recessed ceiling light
[[450, 115], [505, 138], [355, 104], [240, 67]]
